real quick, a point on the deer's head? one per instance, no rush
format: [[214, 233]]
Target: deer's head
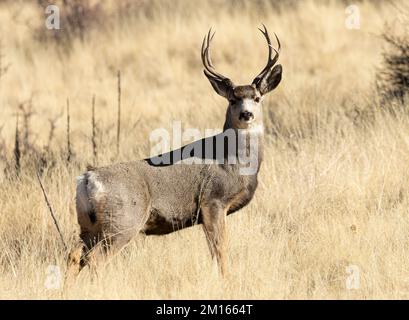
[[244, 110]]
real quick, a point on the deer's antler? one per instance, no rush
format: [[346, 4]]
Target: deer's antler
[[271, 60], [209, 70]]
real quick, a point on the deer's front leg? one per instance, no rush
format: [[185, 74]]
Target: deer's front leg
[[214, 226]]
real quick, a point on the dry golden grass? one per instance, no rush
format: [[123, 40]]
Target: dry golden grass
[[334, 188]]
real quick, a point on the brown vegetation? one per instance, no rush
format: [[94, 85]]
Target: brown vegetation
[[334, 188]]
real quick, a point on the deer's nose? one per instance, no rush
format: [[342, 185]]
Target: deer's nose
[[246, 115]]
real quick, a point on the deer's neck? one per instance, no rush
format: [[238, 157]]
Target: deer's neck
[[242, 148], [248, 147]]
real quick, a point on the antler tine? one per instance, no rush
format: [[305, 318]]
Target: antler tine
[[209, 39], [204, 59], [270, 60], [279, 43], [266, 35], [207, 62]]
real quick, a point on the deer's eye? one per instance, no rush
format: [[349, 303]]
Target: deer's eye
[[257, 99]]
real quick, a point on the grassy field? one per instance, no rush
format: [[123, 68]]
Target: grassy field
[[334, 187]]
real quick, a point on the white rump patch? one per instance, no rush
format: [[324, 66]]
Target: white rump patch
[[82, 201], [95, 188]]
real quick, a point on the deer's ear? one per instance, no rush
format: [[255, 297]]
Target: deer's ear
[[271, 80], [223, 87]]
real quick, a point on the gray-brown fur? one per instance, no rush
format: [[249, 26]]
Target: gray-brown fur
[[117, 202]]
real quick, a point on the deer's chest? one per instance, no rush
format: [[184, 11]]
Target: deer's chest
[[243, 197], [233, 192]]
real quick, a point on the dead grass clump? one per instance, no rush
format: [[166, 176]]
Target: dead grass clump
[[77, 17], [393, 77]]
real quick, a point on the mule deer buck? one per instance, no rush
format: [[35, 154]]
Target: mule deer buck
[[116, 202]]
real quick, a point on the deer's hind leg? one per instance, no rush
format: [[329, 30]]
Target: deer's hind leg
[[74, 262], [115, 234], [214, 226], [91, 251], [109, 217], [78, 256]]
